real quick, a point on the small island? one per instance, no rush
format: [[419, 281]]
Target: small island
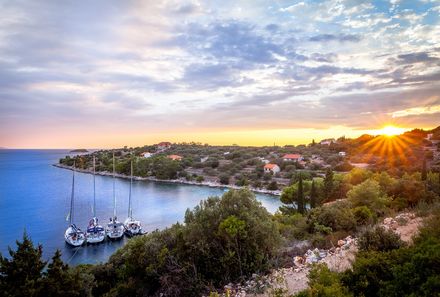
[[79, 151]]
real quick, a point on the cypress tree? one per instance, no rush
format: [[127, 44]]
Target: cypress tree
[[328, 183], [300, 199], [424, 174], [313, 198]]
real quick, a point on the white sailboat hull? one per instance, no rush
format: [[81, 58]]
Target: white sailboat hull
[[115, 230], [74, 237], [132, 227], [95, 234]]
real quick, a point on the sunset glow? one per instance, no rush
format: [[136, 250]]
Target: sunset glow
[[137, 72], [391, 131]]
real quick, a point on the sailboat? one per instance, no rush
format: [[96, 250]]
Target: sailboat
[[95, 233], [73, 235], [132, 226], [114, 229]]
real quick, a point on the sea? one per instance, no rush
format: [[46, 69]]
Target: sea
[[35, 199]]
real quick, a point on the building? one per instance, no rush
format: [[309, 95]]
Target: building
[[271, 168], [292, 157], [146, 154], [342, 154], [175, 157], [163, 145], [327, 141], [429, 136], [265, 161]]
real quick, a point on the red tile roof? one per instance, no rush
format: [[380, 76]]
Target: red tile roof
[[174, 157], [292, 156], [270, 166]]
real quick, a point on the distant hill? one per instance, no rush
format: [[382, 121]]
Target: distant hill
[[79, 151]]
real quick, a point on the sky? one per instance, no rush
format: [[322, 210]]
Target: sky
[[101, 74]]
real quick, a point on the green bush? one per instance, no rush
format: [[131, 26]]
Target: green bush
[[363, 215], [379, 239], [337, 216], [324, 283], [368, 193]]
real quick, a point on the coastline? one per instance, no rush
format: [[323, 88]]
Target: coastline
[[173, 181]]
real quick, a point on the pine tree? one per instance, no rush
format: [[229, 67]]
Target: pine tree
[[58, 281], [21, 274], [300, 199], [313, 194], [328, 183], [424, 173]]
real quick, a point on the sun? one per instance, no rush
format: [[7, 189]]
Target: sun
[[391, 131]]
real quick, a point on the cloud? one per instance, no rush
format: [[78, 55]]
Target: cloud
[[309, 64], [332, 37], [420, 57]]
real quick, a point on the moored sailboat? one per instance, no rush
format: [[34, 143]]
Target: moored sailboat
[[73, 235], [95, 233], [131, 225], [114, 229]]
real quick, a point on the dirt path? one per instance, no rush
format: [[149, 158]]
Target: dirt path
[[340, 259]]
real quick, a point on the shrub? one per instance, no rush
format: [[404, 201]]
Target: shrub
[[324, 283], [379, 239], [337, 216], [224, 179], [368, 193], [272, 186], [363, 215]]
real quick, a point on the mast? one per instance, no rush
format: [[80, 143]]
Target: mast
[[114, 195], [94, 189], [72, 195], [130, 211]]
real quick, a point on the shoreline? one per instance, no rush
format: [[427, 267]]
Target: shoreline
[[172, 181]]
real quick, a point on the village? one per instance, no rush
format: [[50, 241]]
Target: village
[[269, 168]]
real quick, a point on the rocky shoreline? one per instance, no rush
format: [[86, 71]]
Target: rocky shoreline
[[173, 181]]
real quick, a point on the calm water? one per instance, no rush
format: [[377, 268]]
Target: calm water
[[34, 196]]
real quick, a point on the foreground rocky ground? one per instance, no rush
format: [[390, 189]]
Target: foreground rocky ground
[[294, 279]]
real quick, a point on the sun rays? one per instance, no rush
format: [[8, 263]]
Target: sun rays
[[392, 147]]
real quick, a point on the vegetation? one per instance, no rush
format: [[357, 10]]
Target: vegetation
[[228, 239], [244, 166]]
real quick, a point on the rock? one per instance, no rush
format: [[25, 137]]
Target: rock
[[388, 221], [341, 242], [298, 261]]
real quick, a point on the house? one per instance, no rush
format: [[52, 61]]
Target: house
[[327, 141], [163, 145], [271, 168], [265, 161], [292, 157], [429, 136], [204, 159], [175, 157], [342, 154], [146, 154]]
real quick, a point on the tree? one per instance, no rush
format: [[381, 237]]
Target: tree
[[424, 174], [328, 184], [224, 179], [313, 195], [300, 199], [368, 194], [272, 186], [379, 239], [21, 274]]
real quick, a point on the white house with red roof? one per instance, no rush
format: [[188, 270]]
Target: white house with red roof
[[146, 154], [271, 168], [292, 157]]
